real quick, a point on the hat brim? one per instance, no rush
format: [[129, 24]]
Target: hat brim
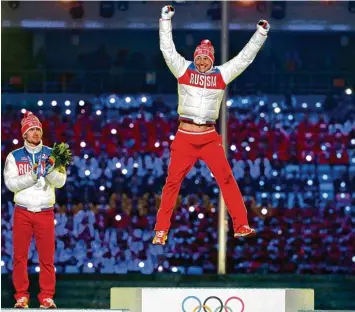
[[32, 128]]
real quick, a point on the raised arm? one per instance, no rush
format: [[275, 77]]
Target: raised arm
[[176, 63], [238, 64]]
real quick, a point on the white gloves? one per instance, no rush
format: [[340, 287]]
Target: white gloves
[[167, 12], [263, 27]]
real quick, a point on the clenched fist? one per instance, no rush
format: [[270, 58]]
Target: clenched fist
[[263, 26], [167, 12]]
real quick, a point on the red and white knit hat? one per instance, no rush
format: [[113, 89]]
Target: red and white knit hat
[[205, 48], [29, 121]]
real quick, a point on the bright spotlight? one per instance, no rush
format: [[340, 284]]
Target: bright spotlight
[[118, 218], [348, 91]]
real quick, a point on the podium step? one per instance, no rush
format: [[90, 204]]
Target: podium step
[[211, 299]]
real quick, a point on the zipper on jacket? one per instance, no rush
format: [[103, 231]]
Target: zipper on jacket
[[203, 94]]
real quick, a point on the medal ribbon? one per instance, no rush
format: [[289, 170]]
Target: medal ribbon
[[32, 164]]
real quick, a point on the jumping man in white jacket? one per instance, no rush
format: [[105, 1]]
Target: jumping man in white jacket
[[32, 177], [201, 87]]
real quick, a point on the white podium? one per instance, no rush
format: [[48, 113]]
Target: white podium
[[211, 299]]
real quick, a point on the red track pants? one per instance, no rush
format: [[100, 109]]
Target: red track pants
[[186, 149], [41, 226]]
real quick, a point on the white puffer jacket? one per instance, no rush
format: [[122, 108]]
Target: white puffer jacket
[[200, 94], [18, 178]]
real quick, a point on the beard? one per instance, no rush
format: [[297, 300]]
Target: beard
[[34, 141]]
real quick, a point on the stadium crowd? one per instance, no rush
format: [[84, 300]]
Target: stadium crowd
[[295, 169]]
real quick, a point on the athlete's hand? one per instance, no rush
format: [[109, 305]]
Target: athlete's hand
[[263, 26], [167, 12], [35, 172]]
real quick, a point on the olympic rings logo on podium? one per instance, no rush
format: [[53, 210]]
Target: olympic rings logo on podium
[[205, 307]]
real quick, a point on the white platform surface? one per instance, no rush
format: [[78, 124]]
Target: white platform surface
[[241, 299]]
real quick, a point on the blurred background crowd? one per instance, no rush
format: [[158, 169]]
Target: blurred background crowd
[[294, 163], [291, 146]]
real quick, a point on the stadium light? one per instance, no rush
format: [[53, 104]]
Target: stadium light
[[348, 91], [118, 218], [40, 103], [67, 103]]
